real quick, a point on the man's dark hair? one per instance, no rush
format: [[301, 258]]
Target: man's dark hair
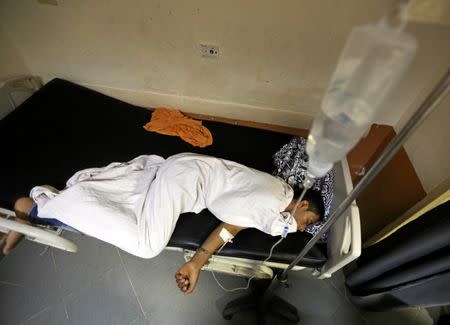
[[315, 201]]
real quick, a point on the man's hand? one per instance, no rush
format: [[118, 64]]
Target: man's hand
[[187, 277]]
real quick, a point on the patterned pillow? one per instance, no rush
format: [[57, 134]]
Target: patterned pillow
[[290, 164]]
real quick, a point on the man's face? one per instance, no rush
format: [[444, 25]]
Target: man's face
[[304, 217]]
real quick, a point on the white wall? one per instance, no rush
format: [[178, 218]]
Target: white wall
[[276, 57], [432, 61], [11, 65], [11, 62], [268, 58], [429, 146]]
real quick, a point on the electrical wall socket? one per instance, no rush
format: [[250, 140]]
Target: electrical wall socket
[[209, 51]]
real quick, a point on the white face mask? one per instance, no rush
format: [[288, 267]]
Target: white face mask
[[287, 216], [284, 224]]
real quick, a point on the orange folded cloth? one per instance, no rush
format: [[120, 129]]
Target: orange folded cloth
[[171, 122]]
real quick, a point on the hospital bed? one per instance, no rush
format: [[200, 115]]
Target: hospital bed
[[64, 127]]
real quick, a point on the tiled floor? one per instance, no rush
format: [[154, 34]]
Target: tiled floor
[[102, 285]]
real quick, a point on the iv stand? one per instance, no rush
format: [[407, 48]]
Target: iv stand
[[387, 155]]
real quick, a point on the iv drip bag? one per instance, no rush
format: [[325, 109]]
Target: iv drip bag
[[374, 59]]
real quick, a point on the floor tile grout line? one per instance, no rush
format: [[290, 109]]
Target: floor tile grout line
[[330, 283], [89, 283], [323, 282], [344, 295], [44, 309], [132, 286], [335, 288], [348, 302], [30, 317], [35, 315], [54, 260], [134, 320], [65, 310], [12, 284], [59, 286], [357, 309], [131, 323], [99, 277], [74, 295]]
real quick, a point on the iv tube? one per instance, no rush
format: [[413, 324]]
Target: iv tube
[[307, 184]]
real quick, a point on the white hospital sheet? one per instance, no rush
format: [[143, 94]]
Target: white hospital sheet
[[136, 205]]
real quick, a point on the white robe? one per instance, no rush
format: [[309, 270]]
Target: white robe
[[136, 205]]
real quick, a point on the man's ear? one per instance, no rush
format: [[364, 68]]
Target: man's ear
[[304, 204]]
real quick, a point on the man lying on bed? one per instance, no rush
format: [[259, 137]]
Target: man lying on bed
[[136, 205]]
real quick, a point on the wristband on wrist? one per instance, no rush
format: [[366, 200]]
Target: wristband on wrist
[[203, 251]]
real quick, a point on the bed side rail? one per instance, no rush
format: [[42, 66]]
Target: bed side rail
[[40, 235], [344, 241]]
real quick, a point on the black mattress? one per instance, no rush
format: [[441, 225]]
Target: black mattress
[[65, 127]]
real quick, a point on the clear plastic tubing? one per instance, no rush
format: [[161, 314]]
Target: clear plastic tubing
[[373, 60]]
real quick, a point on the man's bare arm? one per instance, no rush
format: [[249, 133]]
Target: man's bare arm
[[187, 275]]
